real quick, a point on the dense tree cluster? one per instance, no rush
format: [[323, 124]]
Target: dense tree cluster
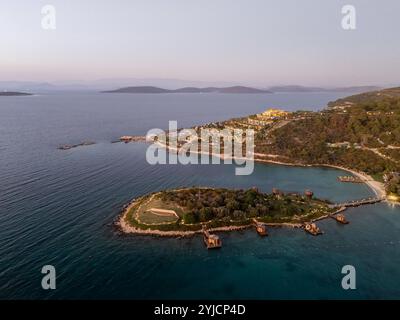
[[202, 205]]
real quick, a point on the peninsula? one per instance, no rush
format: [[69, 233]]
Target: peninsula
[[184, 212]]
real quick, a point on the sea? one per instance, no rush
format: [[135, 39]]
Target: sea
[[58, 208]]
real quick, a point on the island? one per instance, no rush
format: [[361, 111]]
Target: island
[[151, 89], [13, 94], [187, 211]]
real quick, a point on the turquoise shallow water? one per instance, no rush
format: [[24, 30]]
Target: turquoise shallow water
[[57, 207]]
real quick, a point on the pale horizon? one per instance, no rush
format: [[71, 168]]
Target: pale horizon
[[251, 43]]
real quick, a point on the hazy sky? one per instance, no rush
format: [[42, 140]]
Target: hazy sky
[[253, 42]]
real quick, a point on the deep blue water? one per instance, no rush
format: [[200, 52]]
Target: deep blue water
[[57, 207]]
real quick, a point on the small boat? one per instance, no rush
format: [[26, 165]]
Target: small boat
[[312, 229], [341, 219], [65, 147]]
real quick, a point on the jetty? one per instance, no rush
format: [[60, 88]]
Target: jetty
[[212, 241], [357, 203], [71, 146], [261, 228], [128, 139], [340, 218], [312, 229]]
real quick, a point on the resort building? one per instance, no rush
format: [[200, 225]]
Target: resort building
[[342, 107], [272, 114]]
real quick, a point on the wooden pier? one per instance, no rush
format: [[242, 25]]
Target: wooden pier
[[128, 139], [312, 229], [340, 218], [261, 228], [212, 241], [357, 203]]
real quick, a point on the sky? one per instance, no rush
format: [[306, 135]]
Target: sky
[[249, 42]]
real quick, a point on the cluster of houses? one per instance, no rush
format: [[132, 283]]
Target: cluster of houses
[[342, 107], [267, 117]]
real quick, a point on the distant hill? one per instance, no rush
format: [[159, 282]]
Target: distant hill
[[240, 89], [296, 88], [369, 97], [142, 89], [13, 93], [356, 89], [150, 89]]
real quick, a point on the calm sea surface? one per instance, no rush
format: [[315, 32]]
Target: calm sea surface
[[57, 207]]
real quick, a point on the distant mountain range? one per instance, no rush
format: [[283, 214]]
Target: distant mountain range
[[242, 89], [133, 85], [150, 89]]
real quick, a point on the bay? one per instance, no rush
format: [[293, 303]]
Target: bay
[[58, 207]]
